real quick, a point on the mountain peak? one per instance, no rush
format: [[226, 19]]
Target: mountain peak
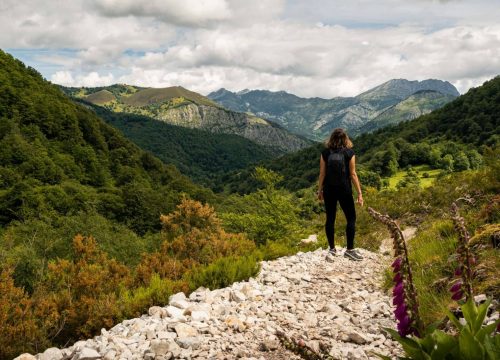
[[243, 92], [402, 88]]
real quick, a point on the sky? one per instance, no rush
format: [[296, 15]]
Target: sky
[[322, 48]]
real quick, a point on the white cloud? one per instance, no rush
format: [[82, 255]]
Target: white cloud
[[321, 61], [63, 78], [316, 48], [89, 80], [185, 12]]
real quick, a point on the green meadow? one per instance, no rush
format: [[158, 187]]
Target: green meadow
[[425, 173]]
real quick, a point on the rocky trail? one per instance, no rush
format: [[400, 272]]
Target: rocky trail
[[337, 305]]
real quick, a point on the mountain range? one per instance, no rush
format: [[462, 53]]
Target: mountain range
[[467, 125], [179, 106], [389, 103]]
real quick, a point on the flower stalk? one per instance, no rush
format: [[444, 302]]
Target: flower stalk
[[404, 291], [462, 286]]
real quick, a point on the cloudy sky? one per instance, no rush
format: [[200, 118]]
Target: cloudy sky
[[311, 48]]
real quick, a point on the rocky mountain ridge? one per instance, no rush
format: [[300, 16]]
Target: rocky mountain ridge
[[338, 306], [181, 107], [420, 103], [316, 117]]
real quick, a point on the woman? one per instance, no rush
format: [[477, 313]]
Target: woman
[[337, 171]]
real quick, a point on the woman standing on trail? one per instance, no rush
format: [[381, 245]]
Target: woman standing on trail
[[337, 170]]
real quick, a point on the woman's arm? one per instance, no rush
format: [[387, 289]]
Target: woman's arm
[[355, 180], [322, 173]]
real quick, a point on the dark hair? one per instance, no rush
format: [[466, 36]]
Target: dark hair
[[339, 140]]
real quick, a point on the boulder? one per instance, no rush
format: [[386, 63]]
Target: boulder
[[88, 354], [25, 356], [51, 354], [189, 342], [184, 331], [200, 316], [175, 313]]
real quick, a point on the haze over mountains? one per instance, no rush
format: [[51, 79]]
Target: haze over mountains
[[391, 102], [179, 106]]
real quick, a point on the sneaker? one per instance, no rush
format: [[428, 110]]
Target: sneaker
[[330, 257], [353, 255]]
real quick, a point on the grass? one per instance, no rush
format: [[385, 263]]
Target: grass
[[420, 169], [429, 252]]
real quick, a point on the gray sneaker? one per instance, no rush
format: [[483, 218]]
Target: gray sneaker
[[353, 255], [330, 257]]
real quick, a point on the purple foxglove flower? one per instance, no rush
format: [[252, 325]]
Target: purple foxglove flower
[[398, 299], [472, 260], [397, 278], [404, 326], [458, 295], [456, 287], [458, 271], [397, 264], [400, 312], [398, 289]]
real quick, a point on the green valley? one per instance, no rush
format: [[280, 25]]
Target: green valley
[[94, 229], [201, 155], [451, 139]]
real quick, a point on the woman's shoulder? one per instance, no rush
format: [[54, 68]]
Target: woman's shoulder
[[349, 153], [325, 153]]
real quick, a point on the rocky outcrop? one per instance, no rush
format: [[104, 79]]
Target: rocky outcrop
[[336, 305], [218, 120], [178, 106]]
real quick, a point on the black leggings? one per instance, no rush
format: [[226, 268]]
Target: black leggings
[[344, 197]]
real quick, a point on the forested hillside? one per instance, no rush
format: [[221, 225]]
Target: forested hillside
[[451, 138], [178, 106], [56, 156], [94, 230], [201, 155]]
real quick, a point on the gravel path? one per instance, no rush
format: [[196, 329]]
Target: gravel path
[[338, 305]]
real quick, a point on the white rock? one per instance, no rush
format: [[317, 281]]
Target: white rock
[[332, 309], [237, 296], [184, 331], [357, 338], [110, 355], [51, 354], [156, 311], [166, 335], [88, 354], [189, 342], [25, 356], [181, 304], [311, 239], [199, 294], [235, 323], [271, 278], [178, 296], [160, 347], [175, 313], [200, 316]]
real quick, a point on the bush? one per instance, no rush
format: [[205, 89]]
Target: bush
[[223, 272], [266, 215], [134, 302]]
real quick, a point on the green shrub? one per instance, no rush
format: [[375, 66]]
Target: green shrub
[[134, 302], [223, 272]]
